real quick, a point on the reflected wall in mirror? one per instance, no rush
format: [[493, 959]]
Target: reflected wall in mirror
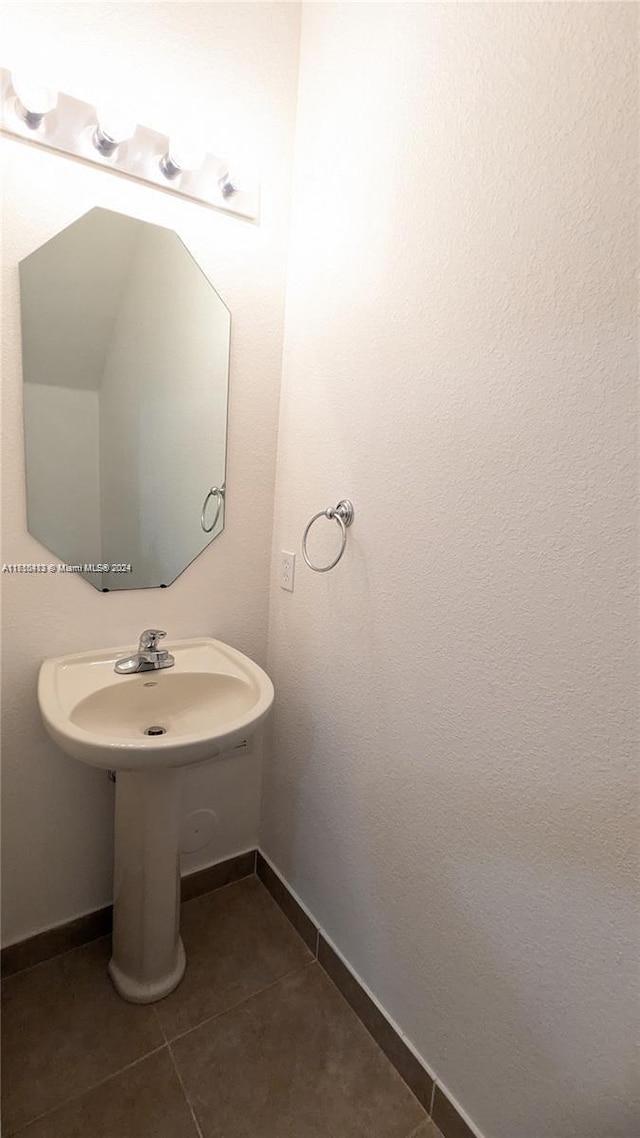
[[125, 352]]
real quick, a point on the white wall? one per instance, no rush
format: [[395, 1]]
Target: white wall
[[451, 789], [233, 66]]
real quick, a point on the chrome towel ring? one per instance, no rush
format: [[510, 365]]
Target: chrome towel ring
[[343, 514], [218, 493]]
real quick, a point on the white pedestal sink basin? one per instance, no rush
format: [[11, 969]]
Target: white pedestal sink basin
[[211, 699]]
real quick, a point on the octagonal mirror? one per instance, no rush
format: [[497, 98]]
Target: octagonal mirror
[[125, 351]]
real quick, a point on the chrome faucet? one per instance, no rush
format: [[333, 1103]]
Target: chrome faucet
[[148, 658]]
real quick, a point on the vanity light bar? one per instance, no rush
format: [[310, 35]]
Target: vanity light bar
[[113, 140]]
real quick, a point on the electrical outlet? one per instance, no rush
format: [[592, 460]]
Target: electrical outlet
[[287, 570]]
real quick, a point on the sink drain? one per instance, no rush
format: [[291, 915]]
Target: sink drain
[[155, 731]]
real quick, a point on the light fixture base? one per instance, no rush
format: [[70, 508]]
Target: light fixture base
[[149, 160]]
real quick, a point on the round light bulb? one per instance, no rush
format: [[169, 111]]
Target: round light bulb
[[182, 155], [113, 127], [33, 100]]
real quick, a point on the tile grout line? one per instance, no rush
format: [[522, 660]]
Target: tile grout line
[[87, 1090], [184, 1092], [166, 1043], [412, 1133], [245, 1000], [419, 1128], [159, 1023]]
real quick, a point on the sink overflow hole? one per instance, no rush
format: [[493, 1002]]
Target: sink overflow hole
[[155, 731]]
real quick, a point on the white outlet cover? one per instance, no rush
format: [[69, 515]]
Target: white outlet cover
[[287, 570], [197, 830]]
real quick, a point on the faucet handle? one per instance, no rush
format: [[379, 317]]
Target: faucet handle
[[149, 639]]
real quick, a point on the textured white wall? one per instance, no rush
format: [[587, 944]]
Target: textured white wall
[[234, 68], [451, 789]]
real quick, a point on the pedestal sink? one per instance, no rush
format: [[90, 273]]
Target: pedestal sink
[[210, 700]]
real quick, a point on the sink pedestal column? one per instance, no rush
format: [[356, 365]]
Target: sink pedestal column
[[148, 958]]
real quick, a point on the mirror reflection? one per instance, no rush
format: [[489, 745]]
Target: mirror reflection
[[125, 347]]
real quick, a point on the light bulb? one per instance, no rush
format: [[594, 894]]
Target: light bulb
[[182, 155], [113, 127], [236, 180], [33, 100]]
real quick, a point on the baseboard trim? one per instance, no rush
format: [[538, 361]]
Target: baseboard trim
[[53, 942], [215, 876], [73, 934], [450, 1119]]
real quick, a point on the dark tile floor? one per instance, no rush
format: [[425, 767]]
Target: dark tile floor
[[255, 1043]]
